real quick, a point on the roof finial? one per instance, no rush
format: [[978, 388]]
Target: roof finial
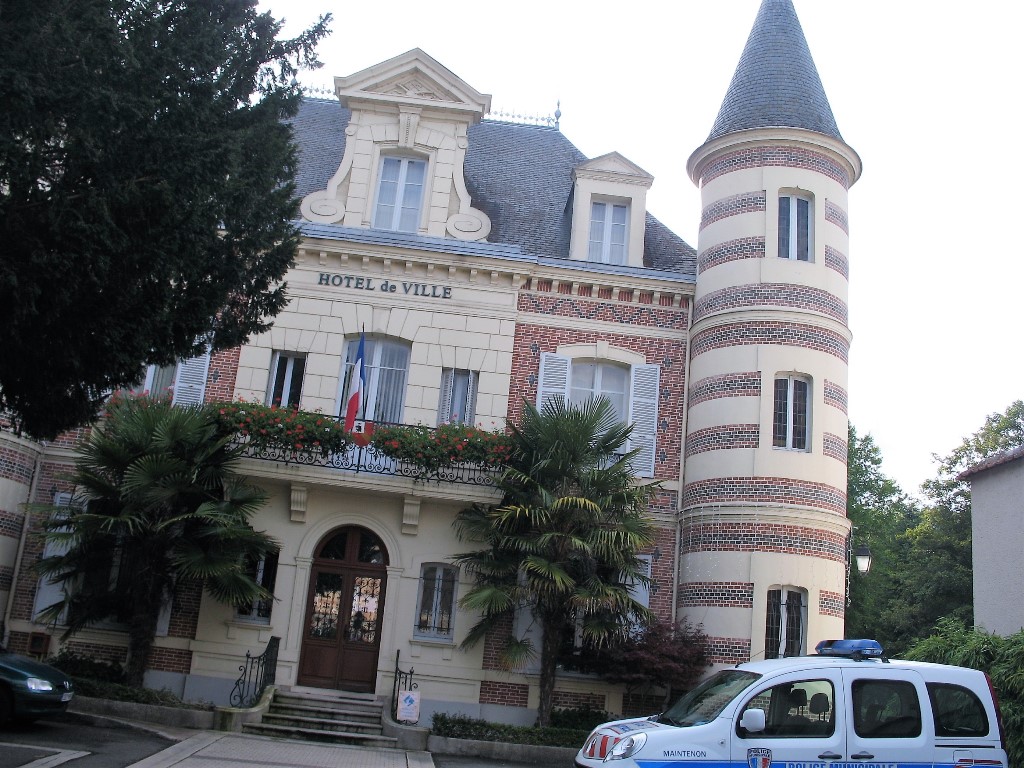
[[558, 113]]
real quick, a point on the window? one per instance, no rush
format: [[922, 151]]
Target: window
[[794, 227], [632, 391], [264, 572], [435, 618], [886, 709], [792, 413], [286, 371], [957, 711], [608, 232], [399, 194], [458, 396], [801, 708], [50, 592], [185, 381], [786, 623], [386, 366]]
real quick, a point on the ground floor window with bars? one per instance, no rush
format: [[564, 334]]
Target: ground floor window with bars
[[786, 623], [264, 572], [435, 619]]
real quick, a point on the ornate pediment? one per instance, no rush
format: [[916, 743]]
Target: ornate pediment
[[613, 166], [413, 79]]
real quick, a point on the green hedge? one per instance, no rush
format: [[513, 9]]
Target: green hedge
[[462, 727]]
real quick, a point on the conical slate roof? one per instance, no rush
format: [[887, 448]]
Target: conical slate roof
[[776, 83]]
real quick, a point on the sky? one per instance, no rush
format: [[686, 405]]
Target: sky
[[928, 93]]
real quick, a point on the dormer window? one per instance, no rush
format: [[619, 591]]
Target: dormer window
[[609, 229], [400, 194]]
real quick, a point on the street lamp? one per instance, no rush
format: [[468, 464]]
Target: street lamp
[[863, 558]]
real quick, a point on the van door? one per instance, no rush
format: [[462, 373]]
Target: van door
[[805, 721], [885, 709]]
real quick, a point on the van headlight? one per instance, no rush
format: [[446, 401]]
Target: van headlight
[[627, 747]]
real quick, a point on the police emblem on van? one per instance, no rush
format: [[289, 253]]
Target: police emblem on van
[[759, 758]]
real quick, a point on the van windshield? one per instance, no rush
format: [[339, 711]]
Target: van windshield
[[706, 702]]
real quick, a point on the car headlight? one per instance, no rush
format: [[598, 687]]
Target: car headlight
[[38, 684], [627, 747]]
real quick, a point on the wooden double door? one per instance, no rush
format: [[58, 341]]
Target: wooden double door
[[344, 608]]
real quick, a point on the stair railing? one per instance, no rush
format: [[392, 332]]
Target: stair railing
[[257, 673], [403, 682]]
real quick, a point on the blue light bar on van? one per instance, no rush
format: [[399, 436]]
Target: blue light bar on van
[[852, 648]]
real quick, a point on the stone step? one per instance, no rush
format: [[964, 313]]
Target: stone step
[[321, 723], [326, 713], [316, 734]]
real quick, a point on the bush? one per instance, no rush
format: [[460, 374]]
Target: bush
[[462, 727], [580, 718], [77, 666], [1002, 658], [101, 689]]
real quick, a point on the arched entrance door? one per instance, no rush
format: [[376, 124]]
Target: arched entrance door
[[341, 636]]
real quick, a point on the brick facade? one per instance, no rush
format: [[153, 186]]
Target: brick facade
[[509, 694], [775, 157], [834, 446], [779, 491], [715, 536], [728, 650], [837, 261], [831, 604], [773, 295], [722, 437], [835, 396], [719, 594], [744, 384], [746, 202], [731, 250], [578, 700], [770, 332], [837, 216]]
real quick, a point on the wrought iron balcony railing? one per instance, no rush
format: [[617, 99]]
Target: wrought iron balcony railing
[[371, 460]]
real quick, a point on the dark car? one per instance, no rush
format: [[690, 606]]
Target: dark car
[[31, 689]]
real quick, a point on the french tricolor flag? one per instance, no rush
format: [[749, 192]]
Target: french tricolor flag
[[356, 385]]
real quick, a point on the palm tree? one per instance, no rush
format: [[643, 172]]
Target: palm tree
[[562, 545], [156, 505]]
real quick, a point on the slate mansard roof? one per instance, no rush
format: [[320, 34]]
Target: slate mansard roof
[[519, 175], [776, 83]]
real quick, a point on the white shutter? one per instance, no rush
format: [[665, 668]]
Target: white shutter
[[190, 382], [50, 592], [469, 407], [554, 379], [444, 410], [643, 415], [638, 590]]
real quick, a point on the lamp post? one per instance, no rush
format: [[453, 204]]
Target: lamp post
[[863, 559]]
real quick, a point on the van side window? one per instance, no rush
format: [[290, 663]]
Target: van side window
[[886, 709], [804, 708], [957, 711]]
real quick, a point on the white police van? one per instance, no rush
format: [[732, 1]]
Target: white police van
[[847, 707]]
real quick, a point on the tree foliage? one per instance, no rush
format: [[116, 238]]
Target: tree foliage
[[662, 656], [880, 513], [146, 190], [562, 545], [922, 568], [157, 505]]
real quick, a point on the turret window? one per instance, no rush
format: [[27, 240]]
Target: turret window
[[795, 227], [400, 194], [791, 413], [786, 623], [609, 236]]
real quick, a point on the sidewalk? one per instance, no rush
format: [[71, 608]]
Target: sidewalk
[[229, 750]]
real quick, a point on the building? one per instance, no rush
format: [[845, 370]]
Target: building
[[491, 262], [997, 488]]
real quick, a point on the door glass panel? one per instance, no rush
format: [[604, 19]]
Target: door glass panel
[[323, 622], [362, 623], [371, 549], [335, 548]]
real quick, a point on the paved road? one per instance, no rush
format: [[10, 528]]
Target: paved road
[[77, 742], [453, 761]]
